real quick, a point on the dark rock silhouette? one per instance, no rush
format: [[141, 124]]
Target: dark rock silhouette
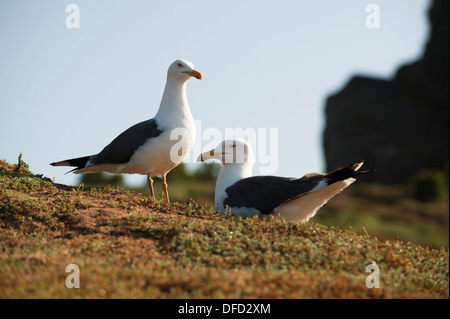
[[399, 126]]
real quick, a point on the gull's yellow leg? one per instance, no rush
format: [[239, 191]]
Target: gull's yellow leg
[[164, 187], [150, 185]]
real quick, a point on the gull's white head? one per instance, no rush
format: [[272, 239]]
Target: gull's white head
[[234, 151], [182, 70]]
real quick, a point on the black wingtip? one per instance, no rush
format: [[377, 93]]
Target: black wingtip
[[365, 172], [71, 171]]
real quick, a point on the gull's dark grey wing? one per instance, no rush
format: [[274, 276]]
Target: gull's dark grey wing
[[122, 148], [266, 192]]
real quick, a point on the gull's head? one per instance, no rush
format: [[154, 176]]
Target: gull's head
[[233, 151], [183, 70]]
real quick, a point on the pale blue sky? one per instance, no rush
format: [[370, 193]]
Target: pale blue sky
[[266, 64]]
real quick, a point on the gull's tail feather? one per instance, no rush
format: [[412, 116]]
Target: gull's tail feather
[[79, 163], [342, 173], [305, 206]]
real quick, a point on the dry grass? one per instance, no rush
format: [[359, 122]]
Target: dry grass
[[129, 246]]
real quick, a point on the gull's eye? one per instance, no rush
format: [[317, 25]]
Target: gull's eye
[[234, 145], [180, 65]]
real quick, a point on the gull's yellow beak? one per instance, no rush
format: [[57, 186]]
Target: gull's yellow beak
[[205, 156], [195, 74]]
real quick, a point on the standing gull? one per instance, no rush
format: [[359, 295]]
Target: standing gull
[[296, 199], [152, 147]]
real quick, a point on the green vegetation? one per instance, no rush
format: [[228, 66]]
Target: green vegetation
[[130, 246], [430, 185], [389, 212]]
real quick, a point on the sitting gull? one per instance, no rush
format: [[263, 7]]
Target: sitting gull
[[296, 199], [148, 148]]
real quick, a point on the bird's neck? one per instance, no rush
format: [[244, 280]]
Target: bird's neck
[[230, 174], [174, 104]]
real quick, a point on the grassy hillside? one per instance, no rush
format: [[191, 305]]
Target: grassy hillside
[[129, 246], [387, 212]]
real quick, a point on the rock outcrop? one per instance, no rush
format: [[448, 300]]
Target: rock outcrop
[[401, 125]]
